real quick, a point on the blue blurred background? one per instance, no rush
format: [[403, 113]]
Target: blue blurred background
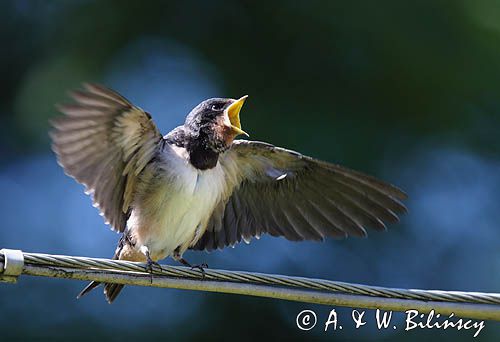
[[407, 92]]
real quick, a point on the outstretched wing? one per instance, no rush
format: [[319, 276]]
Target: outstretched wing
[[104, 142], [284, 193]]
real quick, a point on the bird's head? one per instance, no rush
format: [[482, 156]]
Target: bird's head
[[216, 122]]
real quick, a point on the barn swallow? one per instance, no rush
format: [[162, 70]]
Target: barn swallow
[[199, 188]]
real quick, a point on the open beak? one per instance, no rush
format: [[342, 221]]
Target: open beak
[[233, 112]]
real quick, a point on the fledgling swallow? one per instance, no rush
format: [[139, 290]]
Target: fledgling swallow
[[199, 188]]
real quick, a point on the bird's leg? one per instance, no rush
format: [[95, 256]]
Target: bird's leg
[[149, 262], [183, 261], [201, 267]]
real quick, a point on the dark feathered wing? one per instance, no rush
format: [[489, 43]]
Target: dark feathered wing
[[104, 142], [283, 193]]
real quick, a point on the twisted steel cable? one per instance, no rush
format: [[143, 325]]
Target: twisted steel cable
[[260, 278], [127, 272]]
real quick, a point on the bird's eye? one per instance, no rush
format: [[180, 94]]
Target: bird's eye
[[216, 107]]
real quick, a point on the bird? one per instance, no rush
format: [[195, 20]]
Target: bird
[[200, 188]]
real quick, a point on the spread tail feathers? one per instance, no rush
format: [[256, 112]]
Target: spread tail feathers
[[111, 291], [92, 285]]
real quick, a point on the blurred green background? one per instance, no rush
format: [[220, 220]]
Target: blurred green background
[[407, 91]]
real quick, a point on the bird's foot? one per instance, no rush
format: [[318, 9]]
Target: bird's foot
[[151, 265], [201, 267]]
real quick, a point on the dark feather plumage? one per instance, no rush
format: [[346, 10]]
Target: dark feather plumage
[[104, 142], [285, 193]]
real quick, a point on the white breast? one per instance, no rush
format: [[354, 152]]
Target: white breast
[[176, 205]]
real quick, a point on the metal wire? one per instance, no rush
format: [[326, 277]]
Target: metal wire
[[241, 277], [259, 278]]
